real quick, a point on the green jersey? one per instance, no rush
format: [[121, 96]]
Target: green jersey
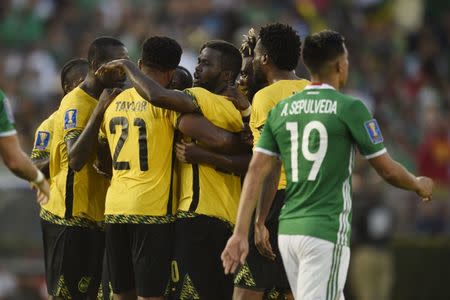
[[315, 133], [6, 117]]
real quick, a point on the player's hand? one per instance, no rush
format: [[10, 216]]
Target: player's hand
[[188, 152], [106, 97], [42, 191], [262, 241], [112, 66], [98, 169], [238, 99], [235, 253], [246, 135], [425, 189]]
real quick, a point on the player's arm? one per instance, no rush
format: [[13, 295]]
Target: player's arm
[[152, 91], [367, 134], [195, 154], [205, 132], [262, 167], [19, 163], [397, 175], [42, 163], [103, 164], [81, 148]]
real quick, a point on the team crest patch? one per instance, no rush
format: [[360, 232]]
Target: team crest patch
[[374, 131], [42, 140], [70, 119]]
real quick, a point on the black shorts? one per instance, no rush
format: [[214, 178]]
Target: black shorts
[[261, 273], [139, 257], [73, 260], [197, 271]]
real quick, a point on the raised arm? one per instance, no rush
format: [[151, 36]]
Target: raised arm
[[395, 174], [150, 90], [195, 154], [83, 147]]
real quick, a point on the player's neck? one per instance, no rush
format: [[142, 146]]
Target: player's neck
[[277, 75], [91, 86], [330, 80]]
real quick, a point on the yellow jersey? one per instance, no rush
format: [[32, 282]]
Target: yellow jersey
[[43, 139], [266, 99], [76, 198], [140, 138], [203, 189]]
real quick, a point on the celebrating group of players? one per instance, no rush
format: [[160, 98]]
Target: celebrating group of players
[[147, 170]]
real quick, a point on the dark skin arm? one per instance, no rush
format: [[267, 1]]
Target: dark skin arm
[[82, 148], [43, 165], [202, 130], [150, 90], [194, 154], [103, 164]]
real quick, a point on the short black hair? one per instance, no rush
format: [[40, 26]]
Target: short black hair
[[321, 48], [70, 66], [282, 43], [248, 43], [161, 53], [231, 59], [186, 80], [97, 50]]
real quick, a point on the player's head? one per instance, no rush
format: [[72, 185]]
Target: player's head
[[73, 73], [219, 63], [278, 47], [182, 79], [245, 79], [103, 50], [325, 55], [160, 57]]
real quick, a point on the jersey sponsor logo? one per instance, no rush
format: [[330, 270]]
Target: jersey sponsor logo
[[42, 140], [70, 119], [374, 131]]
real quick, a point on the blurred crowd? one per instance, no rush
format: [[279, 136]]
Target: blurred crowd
[[399, 65]]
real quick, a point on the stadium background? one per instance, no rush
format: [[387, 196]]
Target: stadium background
[[399, 65]]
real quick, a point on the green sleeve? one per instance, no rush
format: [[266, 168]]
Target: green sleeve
[[364, 130], [6, 117], [267, 143]]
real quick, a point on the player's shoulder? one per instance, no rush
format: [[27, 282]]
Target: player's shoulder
[[77, 97], [198, 92]]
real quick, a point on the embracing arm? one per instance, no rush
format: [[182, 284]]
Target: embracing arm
[[194, 154], [150, 90], [205, 132]]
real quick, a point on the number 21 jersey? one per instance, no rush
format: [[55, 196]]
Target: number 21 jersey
[[315, 133], [140, 138]]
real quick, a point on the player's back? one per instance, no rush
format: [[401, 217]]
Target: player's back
[[205, 190], [266, 99], [140, 138], [316, 131], [74, 194]]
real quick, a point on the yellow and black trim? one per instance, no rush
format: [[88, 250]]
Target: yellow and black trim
[[72, 221], [138, 219]]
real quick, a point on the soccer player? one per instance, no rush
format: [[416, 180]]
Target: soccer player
[[73, 239], [315, 133], [14, 157], [209, 198], [72, 74]]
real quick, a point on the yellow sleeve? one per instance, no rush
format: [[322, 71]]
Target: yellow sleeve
[[261, 106], [42, 139], [172, 116], [75, 117], [199, 97]]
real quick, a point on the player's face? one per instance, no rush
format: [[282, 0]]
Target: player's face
[[245, 79], [344, 65], [74, 77], [114, 78], [180, 80], [259, 75], [208, 70]]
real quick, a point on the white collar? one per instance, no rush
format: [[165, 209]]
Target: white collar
[[321, 86]]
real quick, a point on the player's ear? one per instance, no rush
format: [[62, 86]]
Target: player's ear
[[170, 75], [140, 64], [265, 59]]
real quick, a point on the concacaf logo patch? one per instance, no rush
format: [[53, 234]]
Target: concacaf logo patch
[[42, 140], [70, 119], [374, 131]]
